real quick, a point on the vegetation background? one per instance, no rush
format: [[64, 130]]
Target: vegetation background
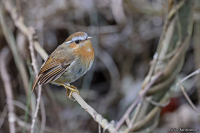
[[126, 35]]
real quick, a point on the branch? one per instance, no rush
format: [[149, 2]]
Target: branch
[[143, 92], [8, 89], [35, 66], [189, 100], [29, 32], [97, 117], [19, 23], [189, 76], [3, 115], [13, 47]]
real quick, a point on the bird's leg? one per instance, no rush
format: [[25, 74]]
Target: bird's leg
[[70, 94], [72, 88]]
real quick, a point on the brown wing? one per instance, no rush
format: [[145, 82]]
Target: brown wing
[[54, 67]]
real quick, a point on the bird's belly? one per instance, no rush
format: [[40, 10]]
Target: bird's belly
[[71, 74]]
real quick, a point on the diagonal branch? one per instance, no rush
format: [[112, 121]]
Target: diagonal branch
[[189, 100], [143, 92]]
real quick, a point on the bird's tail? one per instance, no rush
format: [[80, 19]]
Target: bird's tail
[[36, 81]]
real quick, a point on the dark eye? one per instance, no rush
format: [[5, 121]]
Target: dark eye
[[77, 41]]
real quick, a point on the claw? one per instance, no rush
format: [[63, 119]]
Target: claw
[[72, 88]]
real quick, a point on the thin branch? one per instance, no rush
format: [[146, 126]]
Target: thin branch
[[154, 112], [128, 122], [13, 46], [136, 113], [19, 23], [97, 117], [189, 100], [189, 76], [3, 115], [43, 121], [29, 32], [21, 106], [149, 99], [35, 66], [23, 124], [143, 92], [8, 89]]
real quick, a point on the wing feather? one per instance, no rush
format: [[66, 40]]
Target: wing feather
[[48, 66], [52, 69], [50, 73]]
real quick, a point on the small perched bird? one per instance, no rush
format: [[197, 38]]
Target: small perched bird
[[68, 62]]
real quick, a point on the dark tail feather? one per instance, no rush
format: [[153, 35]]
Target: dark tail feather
[[36, 81]]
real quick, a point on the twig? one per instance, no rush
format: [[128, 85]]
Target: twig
[[18, 61], [188, 99], [28, 126], [143, 92], [128, 122], [54, 106], [3, 115], [174, 10], [8, 89], [12, 44], [19, 23], [35, 66], [150, 115], [21, 106], [43, 121], [148, 99], [190, 75], [197, 50], [97, 117], [136, 113]]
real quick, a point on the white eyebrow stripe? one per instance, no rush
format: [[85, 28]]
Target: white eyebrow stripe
[[82, 38], [68, 42]]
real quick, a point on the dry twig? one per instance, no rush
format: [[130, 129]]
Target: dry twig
[[97, 117], [142, 93], [189, 100], [35, 66], [3, 115], [12, 44], [8, 89], [19, 23]]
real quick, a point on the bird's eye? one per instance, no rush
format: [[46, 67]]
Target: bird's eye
[[77, 41]]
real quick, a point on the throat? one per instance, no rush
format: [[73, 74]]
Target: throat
[[88, 50]]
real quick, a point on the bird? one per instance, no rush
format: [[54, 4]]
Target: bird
[[68, 62]]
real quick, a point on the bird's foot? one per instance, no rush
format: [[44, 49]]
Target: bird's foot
[[72, 89]]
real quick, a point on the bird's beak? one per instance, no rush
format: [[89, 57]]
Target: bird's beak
[[89, 37]]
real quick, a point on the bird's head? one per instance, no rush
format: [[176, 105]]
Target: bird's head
[[78, 40]]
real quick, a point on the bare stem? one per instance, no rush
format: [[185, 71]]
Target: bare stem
[[34, 64], [189, 100], [8, 89], [97, 117], [128, 111]]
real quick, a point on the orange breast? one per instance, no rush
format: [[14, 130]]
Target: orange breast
[[86, 51]]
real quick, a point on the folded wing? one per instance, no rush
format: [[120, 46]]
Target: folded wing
[[52, 69]]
